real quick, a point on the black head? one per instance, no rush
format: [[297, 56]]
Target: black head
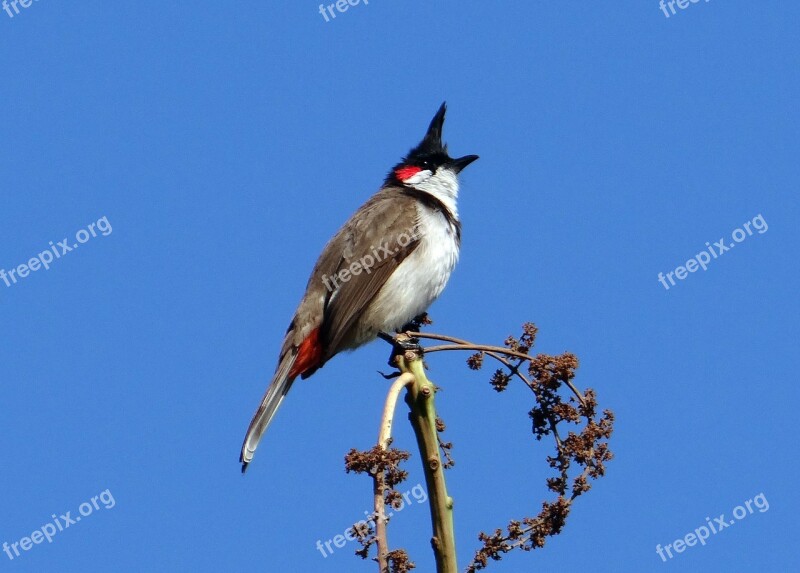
[[430, 155]]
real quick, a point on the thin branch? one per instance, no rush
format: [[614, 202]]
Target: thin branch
[[385, 433], [480, 347], [379, 479], [491, 351]]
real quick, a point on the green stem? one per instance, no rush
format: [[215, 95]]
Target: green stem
[[420, 399]]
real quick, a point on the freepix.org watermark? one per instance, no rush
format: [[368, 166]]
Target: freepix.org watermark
[[682, 4], [44, 259], [341, 6], [49, 530], [368, 261], [702, 533], [9, 5], [417, 492], [703, 258]]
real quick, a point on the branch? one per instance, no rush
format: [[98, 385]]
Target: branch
[[492, 351], [379, 478], [420, 398], [385, 433]]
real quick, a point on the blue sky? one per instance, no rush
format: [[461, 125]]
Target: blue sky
[[224, 144]]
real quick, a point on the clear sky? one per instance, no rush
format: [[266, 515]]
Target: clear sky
[[204, 154]]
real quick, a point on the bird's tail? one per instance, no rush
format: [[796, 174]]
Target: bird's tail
[[278, 388]]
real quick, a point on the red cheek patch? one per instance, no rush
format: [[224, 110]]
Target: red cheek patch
[[404, 173]]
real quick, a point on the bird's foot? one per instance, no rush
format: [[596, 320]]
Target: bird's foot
[[401, 342], [400, 345]]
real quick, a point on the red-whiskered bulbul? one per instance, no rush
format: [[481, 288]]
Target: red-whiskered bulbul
[[383, 268]]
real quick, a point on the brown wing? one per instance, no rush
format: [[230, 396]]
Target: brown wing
[[373, 251]]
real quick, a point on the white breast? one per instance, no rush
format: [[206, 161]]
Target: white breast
[[421, 277]]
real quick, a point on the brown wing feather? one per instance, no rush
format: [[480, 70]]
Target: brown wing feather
[[394, 221]]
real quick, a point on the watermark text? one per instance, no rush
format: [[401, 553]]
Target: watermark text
[[44, 259], [59, 524], [417, 492], [702, 533], [368, 261], [703, 258]]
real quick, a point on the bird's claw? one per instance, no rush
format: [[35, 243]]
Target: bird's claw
[[401, 342], [400, 345]]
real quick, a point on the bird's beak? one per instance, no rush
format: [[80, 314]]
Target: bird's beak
[[458, 164]]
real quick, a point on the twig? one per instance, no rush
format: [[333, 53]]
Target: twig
[[385, 434], [379, 479], [492, 351]]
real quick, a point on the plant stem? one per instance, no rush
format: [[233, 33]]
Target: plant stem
[[378, 480], [420, 399], [385, 434]]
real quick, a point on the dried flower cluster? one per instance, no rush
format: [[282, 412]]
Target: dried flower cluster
[[379, 461], [383, 465], [586, 448], [365, 532], [399, 562]]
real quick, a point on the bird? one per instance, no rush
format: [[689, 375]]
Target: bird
[[381, 270]]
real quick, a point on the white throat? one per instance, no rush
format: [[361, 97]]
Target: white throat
[[443, 185]]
